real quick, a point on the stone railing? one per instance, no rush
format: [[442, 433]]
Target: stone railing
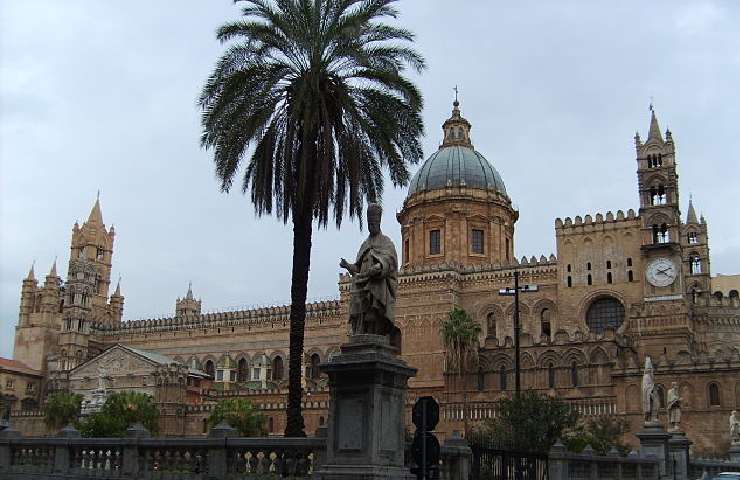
[[480, 411], [710, 467], [221, 455], [564, 465]]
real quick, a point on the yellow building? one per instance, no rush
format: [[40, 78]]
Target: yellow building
[[622, 285]]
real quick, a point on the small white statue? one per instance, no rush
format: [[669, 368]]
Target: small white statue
[[734, 428], [674, 407], [650, 401], [102, 377]]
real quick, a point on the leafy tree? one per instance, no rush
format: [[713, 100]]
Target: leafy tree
[[240, 414], [528, 422], [62, 409], [120, 411], [313, 97], [602, 433], [460, 337]]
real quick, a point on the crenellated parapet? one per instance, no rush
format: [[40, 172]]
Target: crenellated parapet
[[595, 223], [262, 318]]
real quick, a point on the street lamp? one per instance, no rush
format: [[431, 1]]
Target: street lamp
[[508, 292]]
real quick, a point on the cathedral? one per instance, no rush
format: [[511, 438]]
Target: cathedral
[[622, 286]]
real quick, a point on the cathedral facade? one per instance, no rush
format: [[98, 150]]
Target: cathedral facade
[[621, 286]]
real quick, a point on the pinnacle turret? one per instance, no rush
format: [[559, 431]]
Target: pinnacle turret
[[53, 271], [654, 133], [117, 293], [96, 216], [31, 275], [189, 295], [691, 216]]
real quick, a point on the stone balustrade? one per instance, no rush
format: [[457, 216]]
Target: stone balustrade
[[221, 455], [564, 465]]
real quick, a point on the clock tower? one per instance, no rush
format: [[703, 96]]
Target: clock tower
[[660, 216]]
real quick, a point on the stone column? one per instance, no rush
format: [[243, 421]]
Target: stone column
[[130, 464], [678, 451], [217, 453], [6, 452], [62, 454], [557, 465], [366, 412], [734, 452], [458, 458], [654, 442]]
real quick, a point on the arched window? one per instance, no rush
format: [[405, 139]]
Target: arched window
[[313, 369], [210, 369], [630, 276], [574, 373], [205, 425], [491, 325], [321, 421], [502, 377], [545, 317], [604, 312], [570, 281], [608, 277], [590, 279], [277, 368], [695, 264], [658, 195], [693, 238], [550, 375], [481, 380], [714, 398], [242, 370], [270, 424]]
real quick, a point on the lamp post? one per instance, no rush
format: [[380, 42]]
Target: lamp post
[[517, 329]]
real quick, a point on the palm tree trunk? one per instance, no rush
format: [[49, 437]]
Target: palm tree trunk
[[302, 227]]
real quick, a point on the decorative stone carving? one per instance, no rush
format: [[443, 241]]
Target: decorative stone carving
[[674, 408], [735, 428], [650, 400], [374, 283]]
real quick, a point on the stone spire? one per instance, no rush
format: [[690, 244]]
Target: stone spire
[[691, 216], [31, 275], [189, 295], [654, 133], [117, 293], [96, 216], [53, 271]]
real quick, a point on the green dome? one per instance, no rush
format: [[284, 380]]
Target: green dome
[[456, 166]]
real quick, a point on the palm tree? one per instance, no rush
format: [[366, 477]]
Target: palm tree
[[460, 337], [313, 94]]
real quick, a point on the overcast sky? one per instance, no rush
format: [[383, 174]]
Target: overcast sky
[[101, 95]]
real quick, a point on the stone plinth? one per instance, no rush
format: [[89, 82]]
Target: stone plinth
[[365, 437], [654, 442], [734, 452], [678, 454]]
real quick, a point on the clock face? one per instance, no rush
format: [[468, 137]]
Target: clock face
[[661, 272]]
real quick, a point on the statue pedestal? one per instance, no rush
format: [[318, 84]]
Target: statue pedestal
[[654, 442], [734, 452], [678, 451], [366, 413]]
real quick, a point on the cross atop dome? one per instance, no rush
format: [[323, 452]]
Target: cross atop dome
[[456, 128]]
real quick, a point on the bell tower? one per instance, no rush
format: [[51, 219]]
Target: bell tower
[[659, 212], [93, 243]]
